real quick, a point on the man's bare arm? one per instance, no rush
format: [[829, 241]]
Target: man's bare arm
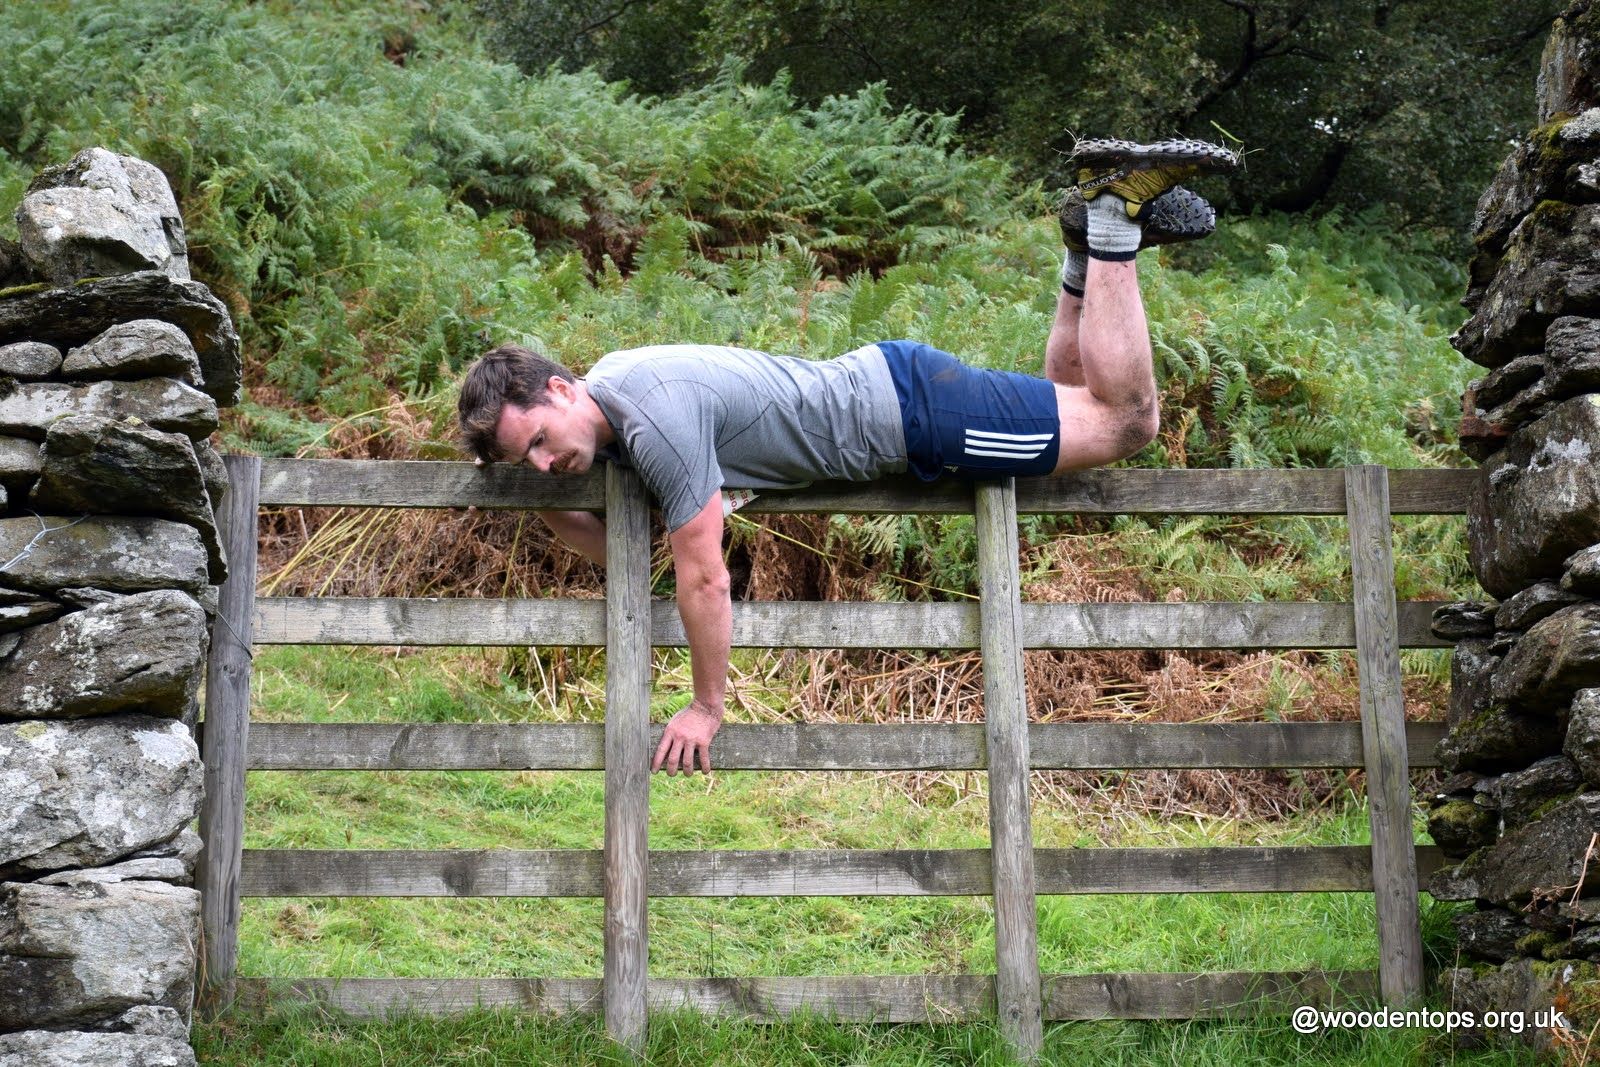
[[707, 613], [583, 530]]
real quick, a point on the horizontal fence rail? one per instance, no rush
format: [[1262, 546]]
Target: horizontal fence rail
[[625, 873], [890, 999], [1124, 491], [786, 624], [807, 873], [276, 746]]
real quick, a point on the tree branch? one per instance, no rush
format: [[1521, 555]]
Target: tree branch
[[1253, 53], [604, 21]]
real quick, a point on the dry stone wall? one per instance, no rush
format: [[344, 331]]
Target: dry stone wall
[[1521, 810], [112, 366]]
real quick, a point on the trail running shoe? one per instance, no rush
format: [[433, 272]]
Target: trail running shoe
[[1176, 215], [1140, 173]]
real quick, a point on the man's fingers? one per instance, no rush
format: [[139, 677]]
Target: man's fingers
[[677, 752]]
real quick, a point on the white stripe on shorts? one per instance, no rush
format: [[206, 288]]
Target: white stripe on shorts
[[992, 436], [1032, 448], [970, 451]]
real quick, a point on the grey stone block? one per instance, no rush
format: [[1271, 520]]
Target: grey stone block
[[141, 653], [40, 1048], [1538, 499], [97, 791], [143, 348], [92, 464], [85, 954], [121, 555], [101, 214], [28, 360], [28, 409]]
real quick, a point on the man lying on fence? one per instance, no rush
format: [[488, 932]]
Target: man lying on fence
[[695, 419]]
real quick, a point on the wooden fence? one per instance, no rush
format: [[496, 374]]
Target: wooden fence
[[1012, 871]]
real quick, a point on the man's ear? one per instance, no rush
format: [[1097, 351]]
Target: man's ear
[[559, 388]]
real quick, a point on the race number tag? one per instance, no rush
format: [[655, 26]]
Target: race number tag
[[734, 499]]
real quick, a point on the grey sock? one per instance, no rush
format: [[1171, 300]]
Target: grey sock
[[1074, 269], [1112, 234]]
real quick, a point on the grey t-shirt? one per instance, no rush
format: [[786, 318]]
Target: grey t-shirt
[[695, 418]]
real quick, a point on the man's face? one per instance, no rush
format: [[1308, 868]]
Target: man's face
[[551, 437]]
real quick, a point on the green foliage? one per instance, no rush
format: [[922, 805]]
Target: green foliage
[[851, 179], [353, 211], [1347, 102]]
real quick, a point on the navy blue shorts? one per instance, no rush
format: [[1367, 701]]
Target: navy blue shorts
[[971, 420]]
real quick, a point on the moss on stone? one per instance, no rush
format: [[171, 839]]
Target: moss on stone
[[1457, 825], [1553, 214], [1495, 738], [1460, 814], [1581, 998], [1582, 972], [1535, 943], [1556, 950], [24, 290], [1545, 138], [1550, 805], [1578, 985]]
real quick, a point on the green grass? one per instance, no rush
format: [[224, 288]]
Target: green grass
[[491, 1039], [376, 937]]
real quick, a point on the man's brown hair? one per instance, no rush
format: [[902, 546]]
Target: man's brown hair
[[507, 374]]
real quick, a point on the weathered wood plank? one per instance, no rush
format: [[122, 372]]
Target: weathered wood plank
[[449, 621], [395, 483], [887, 999], [425, 484], [1152, 745], [836, 872], [627, 735], [1005, 707], [380, 998], [1383, 713], [227, 712], [1212, 995], [1431, 492], [893, 999], [824, 746]]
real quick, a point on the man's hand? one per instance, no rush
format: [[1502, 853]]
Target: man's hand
[[688, 732]]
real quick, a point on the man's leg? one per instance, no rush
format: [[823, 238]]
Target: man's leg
[[1113, 413], [1100, 358], [1061, 364]]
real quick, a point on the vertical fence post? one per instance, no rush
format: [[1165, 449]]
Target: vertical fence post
[[1018, 992], [226, 733], [627, 754], [1383, 734]]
